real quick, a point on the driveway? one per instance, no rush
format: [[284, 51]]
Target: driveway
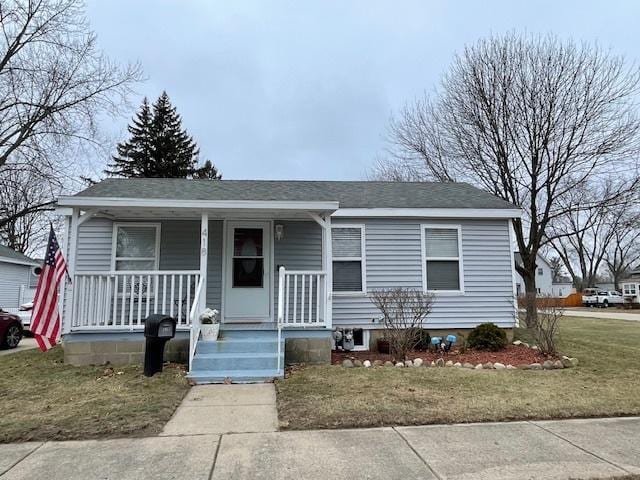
[[25, 344], [578, 449]]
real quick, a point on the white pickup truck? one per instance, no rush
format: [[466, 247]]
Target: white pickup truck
[[601, 298]]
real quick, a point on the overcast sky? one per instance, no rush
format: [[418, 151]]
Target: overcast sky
[[305, 89]]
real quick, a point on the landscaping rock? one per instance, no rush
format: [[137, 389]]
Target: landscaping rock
[[357, 363], [488, 366], [399, 364], [547, 365], [366, 364], [449, 363], [478, 367], [467, 365], [408, 363], [432, 364], [346, 363], [418, 362], [526, 344], [524, 367], [535, 347], [558, 364], [566, 362], [511, 367], [517, 343], [378, 363], [388, 364], [499, 366], [457, 365], [574, 361], [535, 366], [440, 362]]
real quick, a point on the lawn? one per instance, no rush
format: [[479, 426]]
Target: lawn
[[44, 399], [604, 384]]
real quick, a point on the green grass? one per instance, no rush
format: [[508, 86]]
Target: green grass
[[44, 399], [604, 384]]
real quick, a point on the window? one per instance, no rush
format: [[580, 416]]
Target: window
[[629, 289], [248, 258], [540, 271], [538, 291], [360, 339], [347, 244], [442, 259], [136, 246]]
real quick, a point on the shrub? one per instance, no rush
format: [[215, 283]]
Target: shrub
[[487, 337], [546, 325], [423, 341]]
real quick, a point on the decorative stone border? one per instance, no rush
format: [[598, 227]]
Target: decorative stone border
[[563, 362]]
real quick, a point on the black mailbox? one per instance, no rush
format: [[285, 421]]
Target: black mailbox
[[158, 330]]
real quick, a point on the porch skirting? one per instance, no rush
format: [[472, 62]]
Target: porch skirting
[[118, 348]]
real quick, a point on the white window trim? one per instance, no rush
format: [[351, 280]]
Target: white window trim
[[361, 259], [423, 249], [627, 287], [114, 243], [366, 337]]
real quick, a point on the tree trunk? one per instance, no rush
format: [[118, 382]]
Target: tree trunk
[[530, 300]]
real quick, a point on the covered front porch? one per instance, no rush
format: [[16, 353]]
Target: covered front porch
[[263, 266]]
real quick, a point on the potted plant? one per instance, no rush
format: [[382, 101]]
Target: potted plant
[[209, 325]]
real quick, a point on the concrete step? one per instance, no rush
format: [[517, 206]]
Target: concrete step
[[230, 334], [235, 376], [236, 361]]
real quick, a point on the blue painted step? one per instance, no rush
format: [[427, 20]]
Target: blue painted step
[[241, 355]]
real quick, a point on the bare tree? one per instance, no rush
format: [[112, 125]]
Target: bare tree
[[623, 251], [54, 83], [528, 119], [404, 312]]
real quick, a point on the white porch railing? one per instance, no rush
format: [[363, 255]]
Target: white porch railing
[[121, 300], [194, 333]]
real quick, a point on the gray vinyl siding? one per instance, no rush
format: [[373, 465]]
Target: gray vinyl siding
[[394, 259], [11, 277], [299, 249]]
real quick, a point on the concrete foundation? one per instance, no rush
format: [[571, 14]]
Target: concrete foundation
[[118, 349], [312, 351]]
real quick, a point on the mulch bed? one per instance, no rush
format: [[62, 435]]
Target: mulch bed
[[510, 355]]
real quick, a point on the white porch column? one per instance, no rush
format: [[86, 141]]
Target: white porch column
[[70, 243], [327, 266], [204, 257]]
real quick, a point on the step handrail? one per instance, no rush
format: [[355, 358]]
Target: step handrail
[[194, 332]]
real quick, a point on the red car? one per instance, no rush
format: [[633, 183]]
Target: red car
[[10, 330]]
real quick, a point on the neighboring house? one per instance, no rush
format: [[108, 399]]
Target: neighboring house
[[278, 259], [544, 280], [18, 279], [631, 286]]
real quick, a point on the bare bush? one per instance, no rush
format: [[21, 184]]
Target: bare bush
[[547, 324], [404, 311]]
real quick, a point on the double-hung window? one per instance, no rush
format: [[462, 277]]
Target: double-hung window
[[136, 246], [347, 245], [442, 259]]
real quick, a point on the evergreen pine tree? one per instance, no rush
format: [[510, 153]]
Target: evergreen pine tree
[[159, 147]]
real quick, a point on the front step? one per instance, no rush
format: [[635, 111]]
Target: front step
[[239, 356]]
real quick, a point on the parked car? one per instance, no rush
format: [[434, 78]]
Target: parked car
[[10, 330], [601, 298]]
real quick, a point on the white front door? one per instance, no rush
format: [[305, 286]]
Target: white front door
[[247, 295]]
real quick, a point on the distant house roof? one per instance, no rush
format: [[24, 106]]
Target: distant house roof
[[11, 256], [518, 259], [349, 194]]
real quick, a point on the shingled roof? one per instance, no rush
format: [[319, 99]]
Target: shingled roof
[[360, 194], [13, 256]]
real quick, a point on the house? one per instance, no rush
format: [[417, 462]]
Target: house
[[18, 278], [544, 280], [631, 286], [285, 262]]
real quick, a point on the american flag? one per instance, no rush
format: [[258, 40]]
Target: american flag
[[45, 318]]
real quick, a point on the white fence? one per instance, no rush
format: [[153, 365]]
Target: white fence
[[123, 299]]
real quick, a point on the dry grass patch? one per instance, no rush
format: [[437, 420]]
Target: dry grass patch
[[44, 399], [604, 384]]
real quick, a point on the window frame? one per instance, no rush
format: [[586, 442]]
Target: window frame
[[540, 271], [361, 259], [625, 289], [459, 258], [114, 245], [366, 340]]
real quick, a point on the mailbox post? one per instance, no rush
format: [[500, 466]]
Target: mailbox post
[[158, 329]]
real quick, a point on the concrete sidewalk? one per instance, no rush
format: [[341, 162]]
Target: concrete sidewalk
[[503, 451], [603, 313]]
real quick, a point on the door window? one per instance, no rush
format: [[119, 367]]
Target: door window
[[248, 258]]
